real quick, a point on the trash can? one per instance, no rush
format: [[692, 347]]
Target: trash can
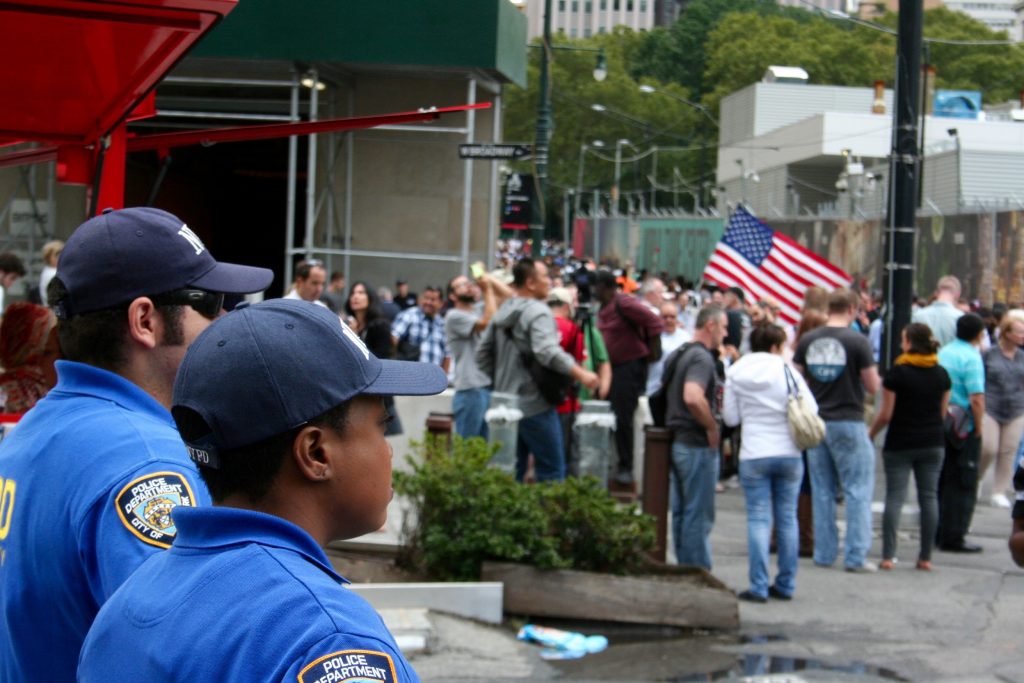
[[503, 429], [592, 431]]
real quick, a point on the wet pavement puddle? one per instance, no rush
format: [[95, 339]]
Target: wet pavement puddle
[[666, 654]]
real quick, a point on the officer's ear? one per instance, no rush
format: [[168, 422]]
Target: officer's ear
[[144, 322], [310, 455]]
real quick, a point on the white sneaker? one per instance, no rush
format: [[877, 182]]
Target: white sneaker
[[866, 568], [1000, 501]]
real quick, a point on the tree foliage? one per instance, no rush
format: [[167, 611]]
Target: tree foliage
[[676, 54], [645, 119], [744, 45], [715, 48]]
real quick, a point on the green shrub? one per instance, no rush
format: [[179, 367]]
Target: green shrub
[[464, 512]]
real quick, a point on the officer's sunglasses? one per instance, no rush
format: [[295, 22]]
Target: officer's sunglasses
[[206, 304]]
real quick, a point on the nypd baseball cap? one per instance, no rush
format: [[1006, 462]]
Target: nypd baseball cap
[[119, 255], [268, 368]]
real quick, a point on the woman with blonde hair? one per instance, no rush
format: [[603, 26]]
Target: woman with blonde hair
[[1003, 424], [51, 253]]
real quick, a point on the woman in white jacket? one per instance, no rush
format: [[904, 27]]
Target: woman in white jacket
[[771, 469]]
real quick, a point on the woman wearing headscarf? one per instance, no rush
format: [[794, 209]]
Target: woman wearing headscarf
[[28, 349]]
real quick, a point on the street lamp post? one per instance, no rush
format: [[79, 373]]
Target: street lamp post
[[596, 144], [544, 117], [540, 148], [618, 173], [704, 136]]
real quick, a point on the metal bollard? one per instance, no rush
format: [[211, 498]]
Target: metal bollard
[[439, 426], [503, 429], [592, 431], [657, 452]]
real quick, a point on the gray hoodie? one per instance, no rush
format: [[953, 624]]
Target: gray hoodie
[[533, 327]]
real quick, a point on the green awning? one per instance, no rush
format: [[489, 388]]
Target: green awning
[[489, 35]]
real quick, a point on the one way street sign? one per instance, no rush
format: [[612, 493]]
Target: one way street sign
[[513, 151]]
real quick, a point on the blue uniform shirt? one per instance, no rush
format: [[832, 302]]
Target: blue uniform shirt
[[966, 369], [87, 480], [242, 596]]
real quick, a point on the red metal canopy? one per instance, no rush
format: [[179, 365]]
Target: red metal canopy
[[71, 70]]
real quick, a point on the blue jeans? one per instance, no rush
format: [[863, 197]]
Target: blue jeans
[[693, 476], [771, 486], [469, 406], [845, 458], [541, 434]]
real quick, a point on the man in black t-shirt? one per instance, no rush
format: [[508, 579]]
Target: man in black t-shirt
[[840, 368], [692, 413]]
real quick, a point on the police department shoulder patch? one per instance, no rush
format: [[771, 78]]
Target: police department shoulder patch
[[351, 666], [145, 504]]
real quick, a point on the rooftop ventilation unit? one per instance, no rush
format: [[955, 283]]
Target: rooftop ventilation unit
[[785, 74]]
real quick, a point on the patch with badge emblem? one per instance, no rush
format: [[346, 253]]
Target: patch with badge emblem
[[145, 504], [351, 666]]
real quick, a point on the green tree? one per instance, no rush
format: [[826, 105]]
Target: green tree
[[745, 45], [996, 70], [643, 119], [676, 54]]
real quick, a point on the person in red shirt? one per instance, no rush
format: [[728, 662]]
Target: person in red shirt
[[632, 335]]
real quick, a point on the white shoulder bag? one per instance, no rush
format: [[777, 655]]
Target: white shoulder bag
[[806, 428]]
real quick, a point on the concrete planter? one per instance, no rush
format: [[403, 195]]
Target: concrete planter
[[666, 595]]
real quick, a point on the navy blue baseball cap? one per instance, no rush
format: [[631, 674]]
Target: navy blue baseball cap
[[119, 255], [265, 369]]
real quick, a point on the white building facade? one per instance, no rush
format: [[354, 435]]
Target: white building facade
[[998, 15], [587, 18], [808, 150]]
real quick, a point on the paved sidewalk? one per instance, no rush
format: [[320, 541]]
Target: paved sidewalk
[[963, 622]]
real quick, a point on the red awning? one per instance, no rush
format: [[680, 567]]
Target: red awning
[[71, 70]]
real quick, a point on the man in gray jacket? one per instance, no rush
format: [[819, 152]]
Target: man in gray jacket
[[524, 324]]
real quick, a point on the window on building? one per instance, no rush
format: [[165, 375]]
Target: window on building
[[575, 6], [601, 29], [572, 33], [615, 6], [588, 6], [586, 33], [629, 5], [643, 5], [561, 5], [604, 5]]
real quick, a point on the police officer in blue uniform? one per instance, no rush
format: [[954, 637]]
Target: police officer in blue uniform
[[281, 407], [89, 477]]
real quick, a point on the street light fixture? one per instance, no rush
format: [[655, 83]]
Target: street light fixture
[[696, 105], [601, 67], [704, 134], [596, 144], [618, 172]]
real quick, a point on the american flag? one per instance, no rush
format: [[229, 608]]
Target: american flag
[[767, 264]]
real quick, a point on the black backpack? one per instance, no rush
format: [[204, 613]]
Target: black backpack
[[553, 386], [658, 401]]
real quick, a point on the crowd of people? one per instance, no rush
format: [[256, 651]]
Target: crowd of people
[[188, 465], [951, 406]]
